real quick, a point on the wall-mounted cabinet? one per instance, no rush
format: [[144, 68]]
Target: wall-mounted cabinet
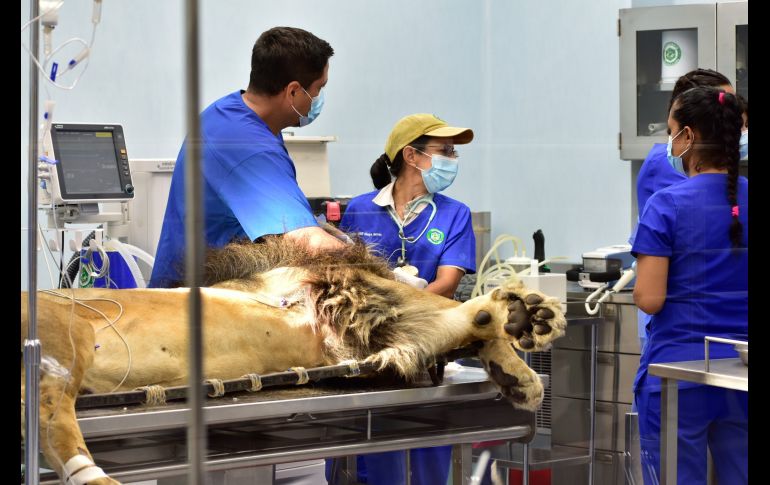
[[659, 44]]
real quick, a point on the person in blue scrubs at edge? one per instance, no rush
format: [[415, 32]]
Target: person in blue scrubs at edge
[[656, 173], [250, 182], [692, 277], [423, 234]]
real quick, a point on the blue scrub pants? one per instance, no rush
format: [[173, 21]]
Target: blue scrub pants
[[430, 466], [707, 415]]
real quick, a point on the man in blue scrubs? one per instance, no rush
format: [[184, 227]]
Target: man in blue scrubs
[[422, 233], [250, 183]]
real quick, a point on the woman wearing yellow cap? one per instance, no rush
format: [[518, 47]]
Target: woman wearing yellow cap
[[423, 234]]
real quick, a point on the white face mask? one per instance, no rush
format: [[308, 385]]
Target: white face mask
[[441, 174], [676, 161], [316, 104]]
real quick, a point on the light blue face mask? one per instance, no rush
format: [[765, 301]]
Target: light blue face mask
[[744, 145], [441, 174], [316, 104], [676, 162]]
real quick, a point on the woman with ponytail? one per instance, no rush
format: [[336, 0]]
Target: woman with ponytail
[[657, 173], [426, 236], [692, 277], [420, 231]]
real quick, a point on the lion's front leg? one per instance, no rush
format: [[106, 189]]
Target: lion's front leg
[[518, 383], [61, 440], [67, 346]]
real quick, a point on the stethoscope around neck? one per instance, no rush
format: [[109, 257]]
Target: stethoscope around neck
[[402, 261]]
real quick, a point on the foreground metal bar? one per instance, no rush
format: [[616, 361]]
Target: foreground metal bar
[[32, 344], [196, 431]]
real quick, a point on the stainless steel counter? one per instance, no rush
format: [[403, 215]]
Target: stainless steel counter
[[336, 418], [727, 373]]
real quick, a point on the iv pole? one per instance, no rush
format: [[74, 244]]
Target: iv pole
[[32, 344]]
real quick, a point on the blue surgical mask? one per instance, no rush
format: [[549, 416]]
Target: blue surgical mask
[[441, 174], [676, 162], [744, 145], [316, 104]]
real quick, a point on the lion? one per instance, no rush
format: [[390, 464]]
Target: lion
[[268, 307]]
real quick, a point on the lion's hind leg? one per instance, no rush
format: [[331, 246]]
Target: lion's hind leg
[[518, 383]]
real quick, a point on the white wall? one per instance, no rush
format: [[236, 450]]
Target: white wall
[[537, 81]]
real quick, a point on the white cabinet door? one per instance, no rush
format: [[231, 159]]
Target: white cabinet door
[[657, 45]]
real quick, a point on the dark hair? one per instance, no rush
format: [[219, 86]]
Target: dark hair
[[383, 169], [716, 115], [285, 54], [698, 77], [744, 105]]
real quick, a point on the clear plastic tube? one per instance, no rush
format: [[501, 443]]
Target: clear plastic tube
[[128, 256], [500, 270]]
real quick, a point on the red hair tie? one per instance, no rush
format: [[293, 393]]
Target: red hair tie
[[735, 211], [721, 97]]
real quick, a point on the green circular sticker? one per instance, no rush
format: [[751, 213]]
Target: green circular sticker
[[435, 236], [672, 53]]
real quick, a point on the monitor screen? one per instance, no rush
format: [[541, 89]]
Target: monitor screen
[[88, 162], [92, 163]]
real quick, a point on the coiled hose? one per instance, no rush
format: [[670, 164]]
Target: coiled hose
[[71, 270]]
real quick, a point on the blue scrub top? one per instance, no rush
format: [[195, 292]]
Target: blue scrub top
[[250, 187], [656, 174], [447, 241], [707, 287]]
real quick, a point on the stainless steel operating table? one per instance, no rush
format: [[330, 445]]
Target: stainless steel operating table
[[333, 418]]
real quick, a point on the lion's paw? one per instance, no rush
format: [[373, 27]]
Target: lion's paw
[[517, 382], [533, 320]]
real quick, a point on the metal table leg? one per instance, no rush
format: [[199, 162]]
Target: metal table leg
[[462, 464], [711, 473], [345, 469], [408, 471], [669, 409], [525, 468]]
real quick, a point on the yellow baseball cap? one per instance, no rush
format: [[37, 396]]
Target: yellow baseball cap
[[411, 127]]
